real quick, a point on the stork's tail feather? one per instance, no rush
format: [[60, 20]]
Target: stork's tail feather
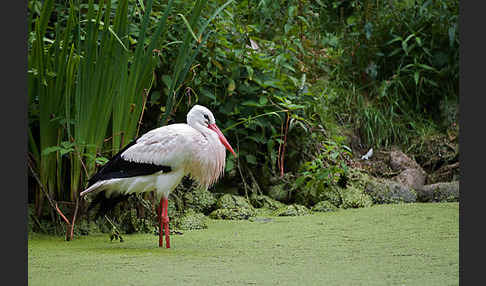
[[98, 186]]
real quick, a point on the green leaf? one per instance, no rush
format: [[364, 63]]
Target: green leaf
[[263, 100], [229, 164], [452, 35], [251, 159], [49, 150], [250, 103], [250, 71], [405, 47], [300, 180], [101, 160], [419, 41], [231, 85], [188, 27]]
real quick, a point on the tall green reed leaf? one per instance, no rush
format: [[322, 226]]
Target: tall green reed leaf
[[136, 80], [186, 55], [50, 68], [97, 84]]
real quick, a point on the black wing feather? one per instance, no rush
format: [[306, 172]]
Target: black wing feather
[[118, 167]]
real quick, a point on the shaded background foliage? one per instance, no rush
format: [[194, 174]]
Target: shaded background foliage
[[285, 79]]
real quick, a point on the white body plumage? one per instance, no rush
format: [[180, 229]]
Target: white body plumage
[[188, 149]]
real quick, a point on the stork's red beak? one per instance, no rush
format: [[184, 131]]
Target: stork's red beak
[[223, 140]]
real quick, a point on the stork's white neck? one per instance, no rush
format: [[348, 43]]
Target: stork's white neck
[[206, 132], [210, 158]]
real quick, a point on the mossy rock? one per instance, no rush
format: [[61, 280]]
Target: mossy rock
[[228, 201], [439, 192], [292, 210], [310, 196], [324, 206], [191, 220], [355, 198], [262, 201], [232, 207], [200, 200], [386, 192], [233, 213]]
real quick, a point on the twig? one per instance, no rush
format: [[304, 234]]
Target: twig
[[145, 95], [62, 215], [281, 149], [255, 182], [117, 232], [74, 218], [111, 137], [239, 168], [49, 199], [80, 159], [54, 204]]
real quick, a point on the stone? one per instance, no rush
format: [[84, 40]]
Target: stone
[[398, 161], [232, 207], [262, 201], [192, 220], [324, 206], [413, 178], [387, 191], [292, 210], [439, 192], [355, 198], [200, 200], [232, 213]]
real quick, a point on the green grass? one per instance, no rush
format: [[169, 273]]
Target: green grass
[[404, 244]]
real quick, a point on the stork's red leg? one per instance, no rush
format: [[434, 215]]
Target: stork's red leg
[[159, 212], [165, 220]]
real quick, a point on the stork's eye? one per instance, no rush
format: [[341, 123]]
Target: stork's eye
[[206, 117]]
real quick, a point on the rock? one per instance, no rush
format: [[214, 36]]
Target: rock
[[200, 200], [413, 178], [324, 206], [387, 191], [398, 161], [292, 210], [192, 220], [439, 192], [232, 207], [446, 173], [262, 201], [228, 201], [411, 173], [311, 195], [234, 213], [354, 198]]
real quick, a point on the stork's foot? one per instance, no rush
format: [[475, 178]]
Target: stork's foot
[[164, 229], [164, 223]]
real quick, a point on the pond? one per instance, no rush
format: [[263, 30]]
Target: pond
[[399, 244]]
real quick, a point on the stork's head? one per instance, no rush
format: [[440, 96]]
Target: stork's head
[[201, 116]]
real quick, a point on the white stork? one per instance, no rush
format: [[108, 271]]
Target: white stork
[[159, 159]]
